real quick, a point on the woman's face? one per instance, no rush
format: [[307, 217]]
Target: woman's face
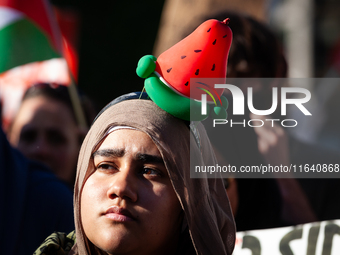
[[44, 130], [128, 205]]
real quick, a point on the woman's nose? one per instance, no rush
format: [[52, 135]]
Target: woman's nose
[[124, 185]]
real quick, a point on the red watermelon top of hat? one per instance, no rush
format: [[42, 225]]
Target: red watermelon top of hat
[[202, 54]]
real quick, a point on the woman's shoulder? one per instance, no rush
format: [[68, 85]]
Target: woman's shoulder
[[57, 244]]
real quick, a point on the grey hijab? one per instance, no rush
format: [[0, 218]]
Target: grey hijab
[[208, 218]]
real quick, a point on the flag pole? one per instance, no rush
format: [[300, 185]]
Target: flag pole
[[77, 108], [72, 90]]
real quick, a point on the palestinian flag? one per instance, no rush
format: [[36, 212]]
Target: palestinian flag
[[28, 33]]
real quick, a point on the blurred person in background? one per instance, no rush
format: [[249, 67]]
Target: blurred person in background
[[33, 202], [257, 53], [46, 128]]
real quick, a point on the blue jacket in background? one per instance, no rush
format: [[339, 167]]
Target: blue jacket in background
[[33, 202]]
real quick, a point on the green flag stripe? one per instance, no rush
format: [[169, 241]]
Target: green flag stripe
[[22, 42]]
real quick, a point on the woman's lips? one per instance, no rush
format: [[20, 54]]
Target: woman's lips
[[119, 214]]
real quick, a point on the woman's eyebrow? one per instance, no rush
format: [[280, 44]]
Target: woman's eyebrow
[[147, 158], [113, 153]]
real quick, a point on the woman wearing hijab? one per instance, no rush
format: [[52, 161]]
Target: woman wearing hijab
[[133, 191]]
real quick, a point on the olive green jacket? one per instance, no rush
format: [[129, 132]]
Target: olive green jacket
[[57, 244]]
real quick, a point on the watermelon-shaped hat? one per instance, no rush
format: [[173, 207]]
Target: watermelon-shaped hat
[[202, 54]]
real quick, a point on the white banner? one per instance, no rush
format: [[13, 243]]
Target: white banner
[[319, 238]]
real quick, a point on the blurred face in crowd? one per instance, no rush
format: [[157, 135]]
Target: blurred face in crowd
[[45, 130], [128, 204]]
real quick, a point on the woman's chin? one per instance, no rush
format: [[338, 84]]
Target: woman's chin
[[116, 242]]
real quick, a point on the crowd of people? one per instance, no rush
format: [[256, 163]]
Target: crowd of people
[[129, 173]]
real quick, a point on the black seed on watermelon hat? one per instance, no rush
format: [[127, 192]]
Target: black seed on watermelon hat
[[169, 70], [197, 51], [225, 36], [197, 71], [213, 67], [183, 57], [187, 83], [214, 42], [209, 30]]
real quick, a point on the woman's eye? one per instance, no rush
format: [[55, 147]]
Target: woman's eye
[[105, 167], [150, 172]]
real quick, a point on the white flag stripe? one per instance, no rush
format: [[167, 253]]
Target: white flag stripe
[[9, 16]]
